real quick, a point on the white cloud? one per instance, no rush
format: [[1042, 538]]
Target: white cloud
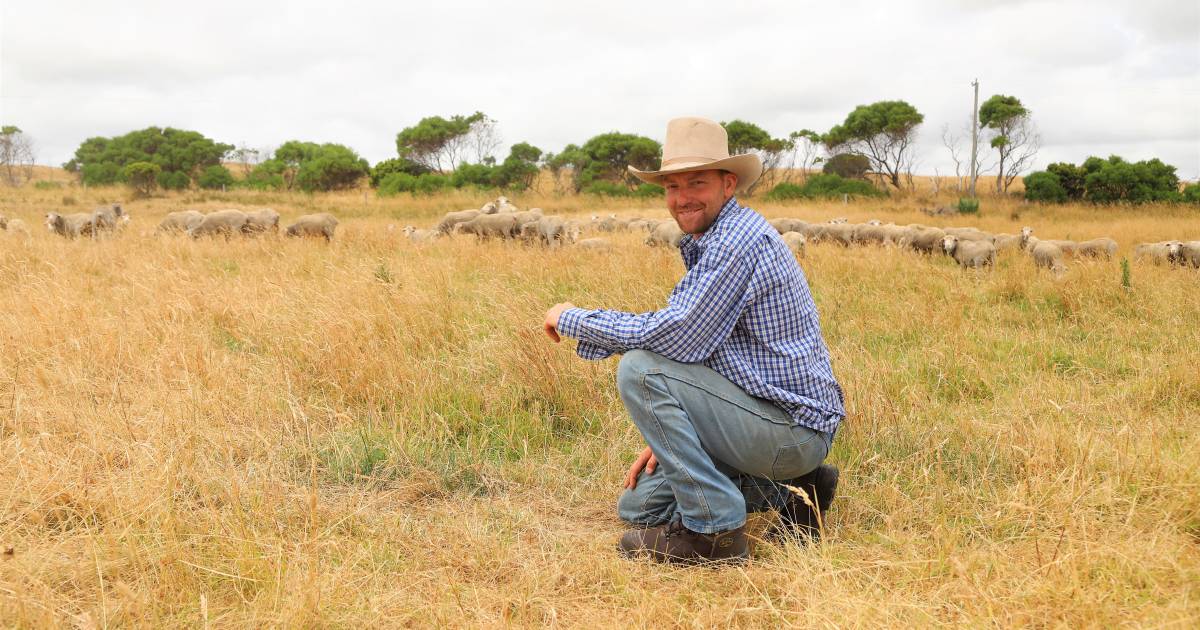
[[1100, 77]]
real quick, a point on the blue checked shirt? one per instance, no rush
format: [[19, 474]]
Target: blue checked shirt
[[743, 309]]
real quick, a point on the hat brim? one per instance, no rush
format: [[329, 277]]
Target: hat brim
[[748, 168]]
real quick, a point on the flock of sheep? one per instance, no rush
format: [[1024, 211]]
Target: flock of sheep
[[975, 248], [500, 219], [106, 220]]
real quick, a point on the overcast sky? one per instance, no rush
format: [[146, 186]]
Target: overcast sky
[[1100, 77]]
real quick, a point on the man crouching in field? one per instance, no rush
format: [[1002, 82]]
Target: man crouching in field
[[730, 384]]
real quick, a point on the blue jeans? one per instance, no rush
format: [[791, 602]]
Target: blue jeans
[[718, 448]]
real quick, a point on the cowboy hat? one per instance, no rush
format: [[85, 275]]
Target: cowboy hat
[[699, 144]]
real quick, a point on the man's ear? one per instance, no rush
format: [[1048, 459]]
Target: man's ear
[[730, 180]]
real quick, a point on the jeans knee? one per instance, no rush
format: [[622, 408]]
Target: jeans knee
[[633, 367]]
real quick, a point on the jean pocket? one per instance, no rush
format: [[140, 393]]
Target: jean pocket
[[794, 460]]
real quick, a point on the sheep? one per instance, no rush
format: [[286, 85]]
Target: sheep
[[840, 233], [1169, 252], [70, 225], [259, 221], [665, 233], [549, 230], [927, 240], [528, 216], [839, 221], [1006, 241], [421, 236], [180, 221], [597, 243], [319, 224], [609, 223], [108, 219], [226, 222], [641, 225], [446, 225], [968, 233], [787, 225], [486, 226], [873, 233], [1104, 248], [14, 227], [1189, 253], [1044, 253], [969, 253], [795, 242], [503, 205]]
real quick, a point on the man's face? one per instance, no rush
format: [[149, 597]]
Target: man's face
[[695, 198]]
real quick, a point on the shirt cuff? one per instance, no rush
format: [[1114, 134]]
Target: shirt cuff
[[570, 322]]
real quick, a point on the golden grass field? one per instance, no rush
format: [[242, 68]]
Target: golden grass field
[[272, 433]]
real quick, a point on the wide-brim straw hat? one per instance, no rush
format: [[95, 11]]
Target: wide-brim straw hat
[[699, 144]]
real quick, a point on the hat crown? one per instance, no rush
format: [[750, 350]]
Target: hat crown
[[693, 139]]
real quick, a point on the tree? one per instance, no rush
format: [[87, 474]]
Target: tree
[[604, 158], [806, 146], [745, 137], [1072, 179], [215, 177], [247, 157], [311, 167], [440, 144], [395, 165], [520, 169], [884, 132], [1013, 136], [16, 155], [100, 161], [142, 176]]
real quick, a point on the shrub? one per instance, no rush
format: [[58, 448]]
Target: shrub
[[847, 165], [395, 165], [47, 185], [396, 183], [173, 180], [968, 205], [1191, 193], [430, 183], [100, 161], [1044, 186], [215, 177], [819, 186]]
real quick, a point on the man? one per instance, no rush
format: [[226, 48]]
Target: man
[[730, 384]]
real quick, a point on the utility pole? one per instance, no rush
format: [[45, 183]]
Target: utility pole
[[974, 137]]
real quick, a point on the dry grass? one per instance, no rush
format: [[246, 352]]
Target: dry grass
[[279, 433]]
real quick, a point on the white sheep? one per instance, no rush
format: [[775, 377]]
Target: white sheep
[[666, 233], [795, 242], [1006, 241], [1189, 253], [14, 227], [1165, 252], [969, 253], [1104, 248], [225, 222], [839, 221], [486, 226], [446, 225], [1044, 253], [925, 240], [70, 225], [261, 221], [180, 221], [421, 236], [108, 219], [321, 224]]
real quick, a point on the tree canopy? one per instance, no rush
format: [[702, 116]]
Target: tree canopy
[[602, 160], [310, 167], [882, 131], [180, 155], [441, 144], [1105, 182], [1013, 137]]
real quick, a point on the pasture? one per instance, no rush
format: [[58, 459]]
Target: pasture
[[372, 432]]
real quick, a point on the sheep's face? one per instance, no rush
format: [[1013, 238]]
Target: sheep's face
[[408, 230], [53, 220], [949, 243], [573, 232], [874, 222], [1174, 248]]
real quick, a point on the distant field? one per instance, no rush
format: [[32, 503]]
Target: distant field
[[268, 432]]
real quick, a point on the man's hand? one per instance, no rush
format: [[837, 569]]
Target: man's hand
[[644, 460], [551, 324]]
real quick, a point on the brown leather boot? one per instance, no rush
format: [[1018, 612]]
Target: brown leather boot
[[797, 519], [677, 544]]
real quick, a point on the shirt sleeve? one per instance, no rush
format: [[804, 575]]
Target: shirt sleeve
[[700, 314]]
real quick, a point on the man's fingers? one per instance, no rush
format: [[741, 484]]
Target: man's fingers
[[552, 333], [651, 464]]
